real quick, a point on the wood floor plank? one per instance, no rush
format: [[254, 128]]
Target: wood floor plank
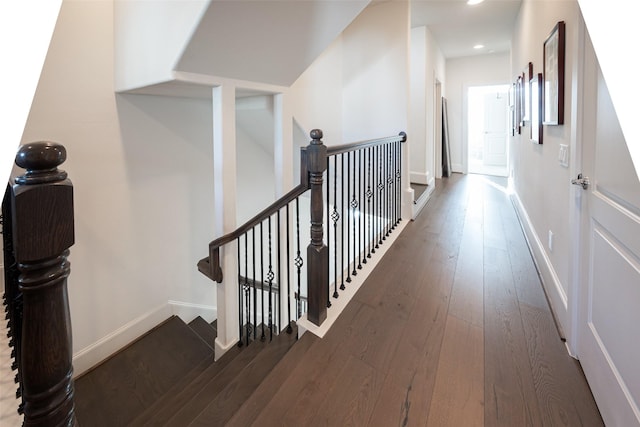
[[274, 381], [510, 396], [562, 391], [458, 396], [350, 401], [311, 373], [468, 290]]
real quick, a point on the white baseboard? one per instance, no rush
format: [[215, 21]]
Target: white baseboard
[[552, 286], [423, 199], [187, 311], [457, 167], [220, 348], [95, 353], [419, 177]]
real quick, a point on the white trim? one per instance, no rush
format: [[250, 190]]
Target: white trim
[[95, 353], [551, 283], [339, 304], [419, 178], [421, 202], [188, 311], [457, 167]]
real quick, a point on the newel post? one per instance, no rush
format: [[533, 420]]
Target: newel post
[[42, 211], [317, 251]]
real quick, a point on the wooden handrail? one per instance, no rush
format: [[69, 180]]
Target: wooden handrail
[[353, 146]]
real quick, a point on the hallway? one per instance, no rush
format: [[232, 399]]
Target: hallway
[[452, 328]]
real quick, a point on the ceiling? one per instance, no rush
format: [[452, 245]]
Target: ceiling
[[457, 26]]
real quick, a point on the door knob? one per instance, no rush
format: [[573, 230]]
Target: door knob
[[582, 181]]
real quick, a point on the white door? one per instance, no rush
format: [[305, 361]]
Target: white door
[[495, 129], [609, 303]]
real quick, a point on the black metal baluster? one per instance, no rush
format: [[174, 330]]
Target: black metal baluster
[[369, 194], [374, 190], [392, 194], [247, 288], [348, 217], [365, 229], [279, 275], [381, 193], [255, 292], [400, 181], [335, 216], [240, 300], [363, 213], [388, 190], [289, 328], [262, 336], [393, 188], [342, 182], [270, 279], [328, 228], [354, 206], [398, 187], [298, 261]]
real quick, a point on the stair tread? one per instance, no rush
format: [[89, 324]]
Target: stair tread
[[252, 407], [204, 330], [226, 403], [200, 392], [145, 417], [119, 389], [173, 404]]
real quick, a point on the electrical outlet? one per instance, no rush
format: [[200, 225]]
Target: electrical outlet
[[550, 243], [563, 155]]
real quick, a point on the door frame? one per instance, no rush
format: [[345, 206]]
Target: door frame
[[465, 127], [578, 97]]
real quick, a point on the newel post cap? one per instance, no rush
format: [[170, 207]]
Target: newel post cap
[[41, 161]]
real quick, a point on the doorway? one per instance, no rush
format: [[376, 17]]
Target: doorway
[[487, 130]]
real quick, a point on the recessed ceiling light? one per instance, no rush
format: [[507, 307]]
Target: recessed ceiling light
[[478, 46], [472, 2]]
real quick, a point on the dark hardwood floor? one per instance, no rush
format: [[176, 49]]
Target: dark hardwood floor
[[452, 328]]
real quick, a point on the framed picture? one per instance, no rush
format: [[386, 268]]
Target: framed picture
[[537, 108], [553, 69], [518, 121], [527, 75], [512, 109]]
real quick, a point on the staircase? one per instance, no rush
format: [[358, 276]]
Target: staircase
[[168, 378]]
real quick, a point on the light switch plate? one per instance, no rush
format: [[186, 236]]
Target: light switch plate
[[563, 156]]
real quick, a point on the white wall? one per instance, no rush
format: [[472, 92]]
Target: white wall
[[142, 170], [375, 98], [541, 183], [150, 37], [358, 88], [254, 156], [481, 70], [427, 66], [316, 96]]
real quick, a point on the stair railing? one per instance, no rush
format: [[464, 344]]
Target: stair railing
[[362, 201], [37, 228]]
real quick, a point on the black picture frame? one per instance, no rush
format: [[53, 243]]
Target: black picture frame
[[527, 75], [554, 75]]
